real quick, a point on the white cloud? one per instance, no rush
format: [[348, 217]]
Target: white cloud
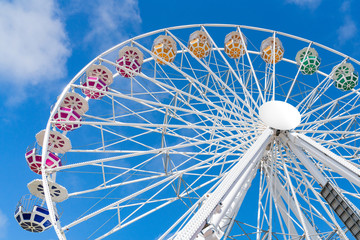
[[347, 31], [110, 21], [34, 44], [3, 225], [345, 6], [306, 3]]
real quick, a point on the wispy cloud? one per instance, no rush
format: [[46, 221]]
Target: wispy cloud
[[345, 6], [111, 21], [34, 45], [348, 29], [3, 225], [312, 4]]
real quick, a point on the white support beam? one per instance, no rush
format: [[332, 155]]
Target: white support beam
[[221, 219], [277, 192], [314, 171], [192, 228], [299, 214], [308, 164], [290, 200], [338, 164], [237, 193]]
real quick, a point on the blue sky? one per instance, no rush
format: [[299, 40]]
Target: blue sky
[[44, 43]]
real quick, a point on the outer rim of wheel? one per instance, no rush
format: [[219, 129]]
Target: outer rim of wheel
[[49, 203]]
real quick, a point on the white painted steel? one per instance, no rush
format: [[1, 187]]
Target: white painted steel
[[281, 196], [333, 161], [306, 162], [249, 160], [174, 132]]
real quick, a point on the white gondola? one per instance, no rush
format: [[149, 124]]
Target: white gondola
[[32, 215], [345, 77], [272, 50], [308, 60], [58, 143], [34, 160], [58, 193], [164, 47], [129, 61], [199, 44], [235, 44]]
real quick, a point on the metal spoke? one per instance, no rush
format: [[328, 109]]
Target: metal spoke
[[178, 122]]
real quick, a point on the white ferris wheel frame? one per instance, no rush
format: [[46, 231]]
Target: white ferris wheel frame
[[295, 141]]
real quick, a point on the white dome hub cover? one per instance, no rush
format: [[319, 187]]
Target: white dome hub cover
[[279, 115]]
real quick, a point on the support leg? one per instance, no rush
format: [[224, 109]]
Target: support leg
[[193, 227]]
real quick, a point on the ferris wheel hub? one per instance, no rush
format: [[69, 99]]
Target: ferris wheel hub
[[279, 115]]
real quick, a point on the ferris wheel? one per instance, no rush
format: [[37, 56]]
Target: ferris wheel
[[203, 132]]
